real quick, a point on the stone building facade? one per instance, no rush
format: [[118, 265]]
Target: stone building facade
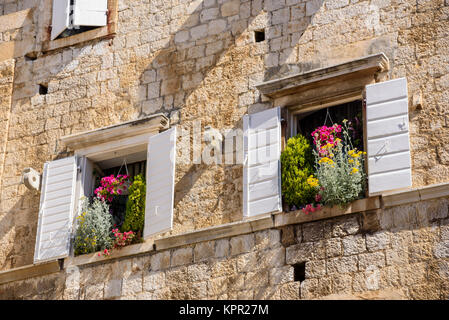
[[199, 60]]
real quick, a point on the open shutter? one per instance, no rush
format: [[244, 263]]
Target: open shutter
[[56, 210], [261, 168], [60, 17], [389, 164], [160, 178], [90, 13]]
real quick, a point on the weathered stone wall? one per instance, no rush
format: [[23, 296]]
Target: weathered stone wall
[[197, 60], [401, 252]]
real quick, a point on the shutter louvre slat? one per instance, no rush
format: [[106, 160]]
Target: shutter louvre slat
[[161, 163], [388, 141]]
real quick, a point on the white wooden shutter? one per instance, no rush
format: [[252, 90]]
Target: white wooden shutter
[[261, 167], [90, 13], [160, 178], [56, 210], [60, 17], [389, 164]]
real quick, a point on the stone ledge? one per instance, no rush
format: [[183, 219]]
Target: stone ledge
[[414, 195], [127, 251], [31, 271], [216, 232], [295, 217]]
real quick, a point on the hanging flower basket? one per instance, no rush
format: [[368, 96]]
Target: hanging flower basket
[[112, 186]]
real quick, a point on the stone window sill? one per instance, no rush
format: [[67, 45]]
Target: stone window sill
[[298, 216], [29, 271]]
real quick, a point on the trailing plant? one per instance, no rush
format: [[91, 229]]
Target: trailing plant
[[120, 240], [339, 168], [94, 226], [296, 167], [135, 206], [112, 186]]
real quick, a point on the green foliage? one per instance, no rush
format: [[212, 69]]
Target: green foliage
[[93, 232], [341, 175], [297, 165], [135, 207]]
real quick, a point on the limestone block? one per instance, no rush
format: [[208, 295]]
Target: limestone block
[[267, 239], [345, 226], [315, 269], [133, 284], [342, 283], [217, 286], [333, 247], [199, 32], [113, 289], [223, 268], [312, 231], [94, 292], [281, 275], [153, 280], [221, 248], [181, 256], [198, 272], [247, 262], [217, 26], [371, 260], [272, 258], [342, 265], [209, 14], [441, 250], [305, 252], [257, 279], [241, 244], [160, 261], [204, 250], [280, 16], [271, 5], [230, 8], [353, 244]]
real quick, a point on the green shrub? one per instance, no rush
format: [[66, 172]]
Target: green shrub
[[135, 206], [297, 166], [94, 226]]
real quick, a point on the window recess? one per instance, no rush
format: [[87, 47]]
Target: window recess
[[76, 21], [348, 90], [147, 146]]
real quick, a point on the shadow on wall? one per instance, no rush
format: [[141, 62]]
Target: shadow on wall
[[206, 71]]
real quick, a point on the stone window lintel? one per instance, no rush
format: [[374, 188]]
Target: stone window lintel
[[152, 124], [324, 86]]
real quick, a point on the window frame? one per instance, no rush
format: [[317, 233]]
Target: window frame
[[104, 32]]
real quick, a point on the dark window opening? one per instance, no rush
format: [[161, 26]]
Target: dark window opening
[[75, 30], [118, 204], [259, 35], [299, 272], [43, 89], [351, 111]]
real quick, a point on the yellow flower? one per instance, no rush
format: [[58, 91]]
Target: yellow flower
[[313, 182], [326, 159], [354, 170], [350, 161]]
